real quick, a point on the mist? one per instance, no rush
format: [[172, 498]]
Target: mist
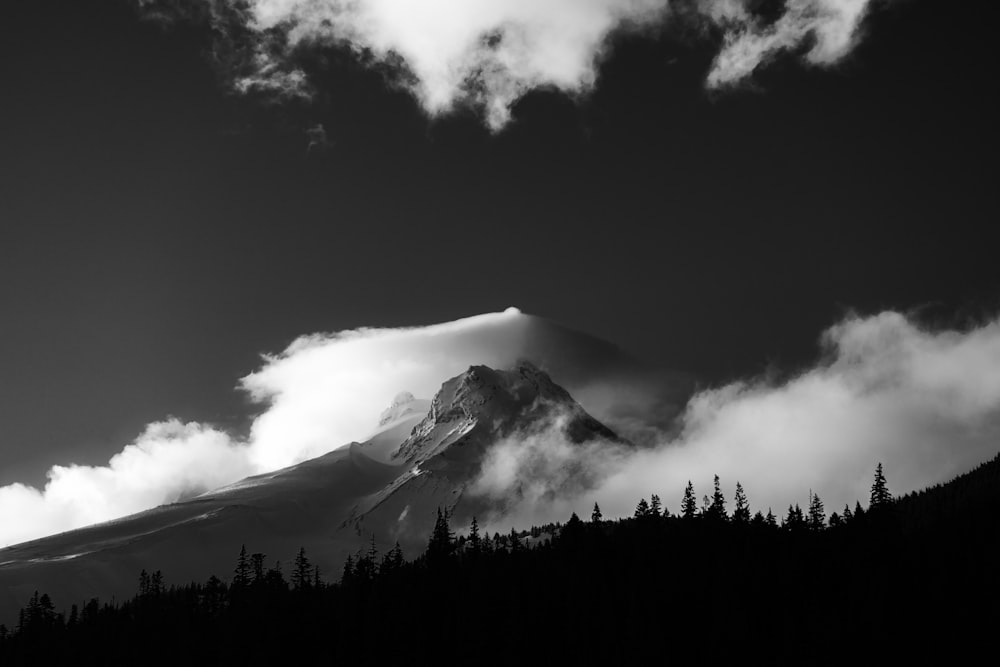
[[924, 403]]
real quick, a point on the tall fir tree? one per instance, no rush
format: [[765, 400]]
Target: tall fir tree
[[816, 519], [642, 509], [741, 511], [655, 506], [689, 506], [717, 508], [880, 498], [442, 540], [475, 541], [301, 575], [596, 516], [242, 572]]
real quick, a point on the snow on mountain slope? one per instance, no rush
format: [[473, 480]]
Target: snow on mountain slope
[[275, 513], [445, 451]]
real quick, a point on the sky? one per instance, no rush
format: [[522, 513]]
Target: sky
[[711, 185]]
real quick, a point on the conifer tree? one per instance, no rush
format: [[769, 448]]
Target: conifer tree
[[795, 520], [689, 507], [880, 498], [655, 506], [372, 555], [442, 539], [596, 516], [846, 517], [347, 576], [302, 572], [770, 519], [741, 513], [475, 542], [717, 508], [258, 567], [642, 509], [817, 514], [242, 571], [515, 541], [859, 511]]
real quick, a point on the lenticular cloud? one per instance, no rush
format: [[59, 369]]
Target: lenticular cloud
[[489, 53]]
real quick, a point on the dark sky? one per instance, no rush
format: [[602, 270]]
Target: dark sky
[[157, 233]]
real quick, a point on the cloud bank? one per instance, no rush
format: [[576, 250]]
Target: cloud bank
[[323, 391], [489, 53], [926, 404]]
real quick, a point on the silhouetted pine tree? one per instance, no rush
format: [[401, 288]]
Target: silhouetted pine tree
[[596, 515], [741, 511], [689, 507], [794, 521], [347, 576], [475, 542], [301, 573], [846, 517], [655, 506], [880, 498], [717, 508], [642, 509], [817, 514], [515, 541], [442, 541], [257, 565], [242, 572], [771, 520]]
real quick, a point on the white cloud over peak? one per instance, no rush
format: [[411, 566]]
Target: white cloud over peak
[[489, 53]]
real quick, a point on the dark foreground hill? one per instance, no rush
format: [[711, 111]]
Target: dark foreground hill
[[913, 580]]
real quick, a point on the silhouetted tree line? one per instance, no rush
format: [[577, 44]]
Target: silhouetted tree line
[[707, 584]]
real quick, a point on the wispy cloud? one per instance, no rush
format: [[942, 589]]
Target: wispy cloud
[[489, 53], [832, 25]]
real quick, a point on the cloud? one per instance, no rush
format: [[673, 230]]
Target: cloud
[[323, 391], [489, 53], [832, 25], [926, 404], [169, 461]]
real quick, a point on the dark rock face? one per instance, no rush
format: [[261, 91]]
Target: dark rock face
[[487, 404]]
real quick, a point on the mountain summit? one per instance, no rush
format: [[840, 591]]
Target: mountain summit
[[483, 404]]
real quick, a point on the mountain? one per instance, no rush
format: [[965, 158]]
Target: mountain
[[423, 455]]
